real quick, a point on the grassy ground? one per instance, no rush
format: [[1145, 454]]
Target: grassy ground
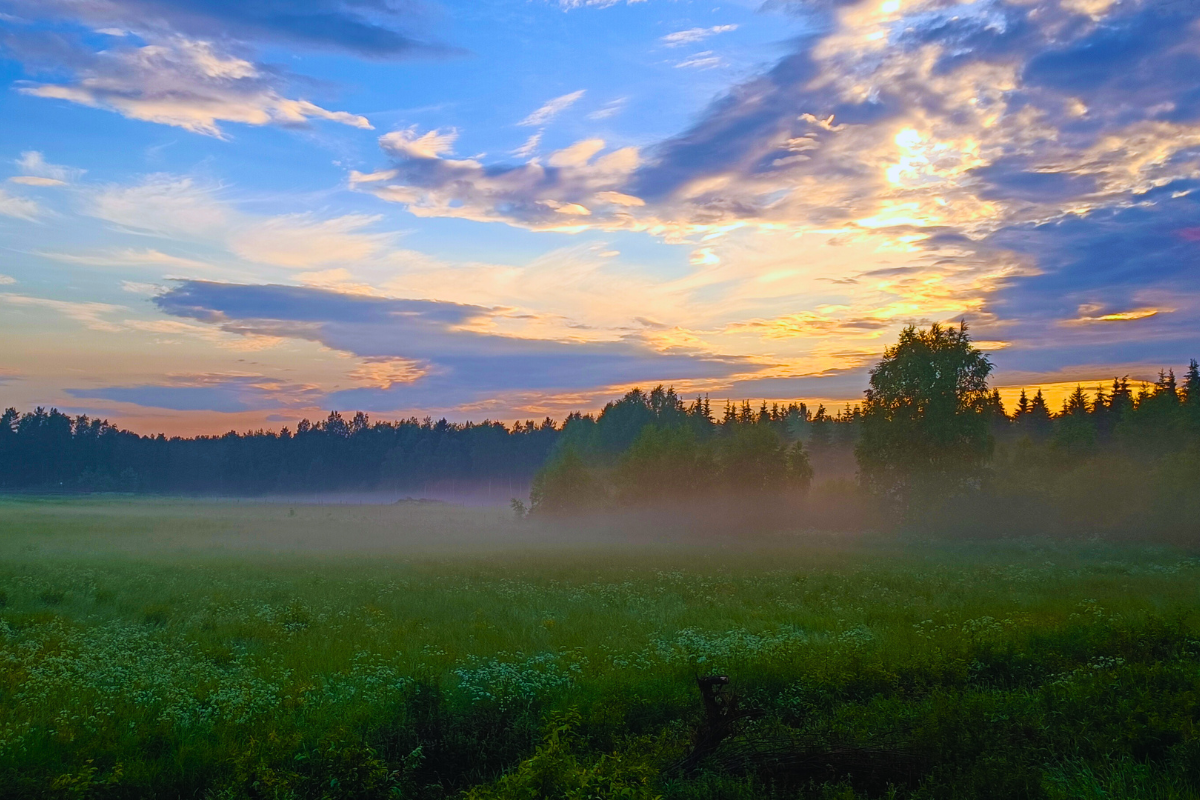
[[228, 650]]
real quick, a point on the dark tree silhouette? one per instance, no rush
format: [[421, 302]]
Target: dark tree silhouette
[[925, 421]]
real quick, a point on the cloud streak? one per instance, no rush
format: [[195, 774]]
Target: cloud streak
[[370, 28], [422, 351], [229, 394], [693, 35], [18, 207], [551, 109]]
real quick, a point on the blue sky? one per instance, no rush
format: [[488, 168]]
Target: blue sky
[[221, 214]]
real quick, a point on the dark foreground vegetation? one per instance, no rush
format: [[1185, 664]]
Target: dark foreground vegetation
[[141, 656]]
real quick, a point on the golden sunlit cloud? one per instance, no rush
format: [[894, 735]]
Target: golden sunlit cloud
[[386, 373], [1115, 316]]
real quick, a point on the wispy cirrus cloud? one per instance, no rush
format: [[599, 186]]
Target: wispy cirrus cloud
[[693, 35], [36, 171], [181, 210], [303, 241], [609, 109], [92, 315], [129, 257], [567, 5], [18, 207], [552, 108], [702, 60]]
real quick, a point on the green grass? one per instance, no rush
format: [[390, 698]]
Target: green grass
[[181, 648]]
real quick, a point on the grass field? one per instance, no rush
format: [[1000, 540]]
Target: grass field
[[229, 650]]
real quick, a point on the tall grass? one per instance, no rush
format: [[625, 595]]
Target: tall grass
[[138, 658]]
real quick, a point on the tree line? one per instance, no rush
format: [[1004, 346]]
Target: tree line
[[48, 450], [931, 442]]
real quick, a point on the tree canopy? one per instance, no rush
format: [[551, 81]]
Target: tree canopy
[[925, 420]]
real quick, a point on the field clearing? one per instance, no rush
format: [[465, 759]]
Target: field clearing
[[233, 649]]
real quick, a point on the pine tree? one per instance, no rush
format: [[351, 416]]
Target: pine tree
[[1191, 385], [1022, 406], [1036, 421], [822, 435]]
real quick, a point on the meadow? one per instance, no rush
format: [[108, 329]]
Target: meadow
[[216, 649]]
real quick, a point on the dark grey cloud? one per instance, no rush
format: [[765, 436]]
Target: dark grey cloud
[[1012, 178], [1142, 62], [371, 28], [460, 363], [1107, 256], [1100, 275], [738, 132], [235, 303]]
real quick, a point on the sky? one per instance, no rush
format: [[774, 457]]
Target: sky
[[232, 214]]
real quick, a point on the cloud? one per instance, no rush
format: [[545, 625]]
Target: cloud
[[609, 109], [693, 35], [89, 314], [530, 147], [1089, 315], [408, 143], [210, 392], [423, 351], [7, 280], [926, 117], [576, 182], [1100, 272], [161, 204], [703, 60], [551, 109], [186, 83], [19, 207], [137, 287], [36, 171], [301, 241], [824, 322], [129, 257], [567, 5], [33, 180], [370, 28], [997, 160]]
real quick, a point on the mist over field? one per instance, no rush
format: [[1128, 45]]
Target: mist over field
[[219, 648]]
